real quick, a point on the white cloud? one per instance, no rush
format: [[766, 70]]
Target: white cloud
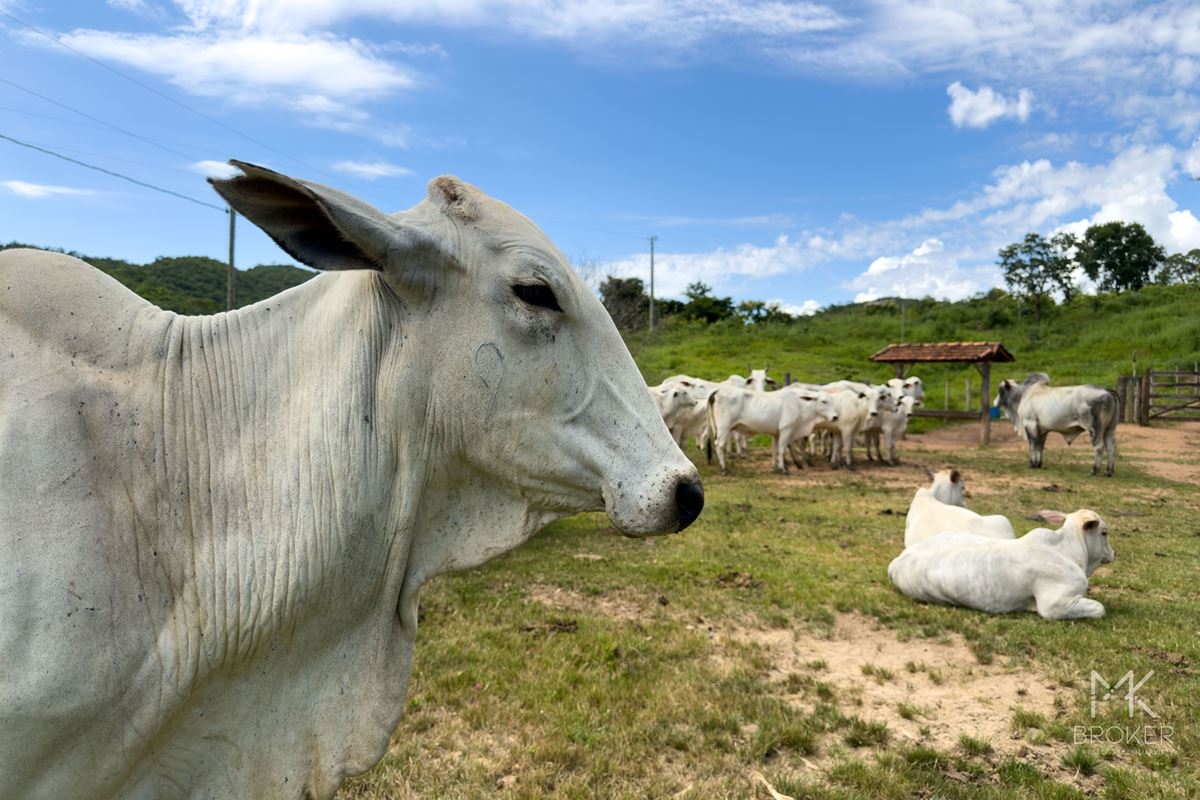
[[927, 271], [38, 191], [312, 73], [980, 109], [215, 169], [805, 309], [690, 21], [372, 170], [1191, 160], [718, 268]]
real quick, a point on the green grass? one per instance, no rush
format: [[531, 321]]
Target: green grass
[[614, 694]]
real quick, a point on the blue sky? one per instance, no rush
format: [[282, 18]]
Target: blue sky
[[804, 153]]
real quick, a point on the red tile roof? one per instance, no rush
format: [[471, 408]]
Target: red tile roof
[[944, 351]]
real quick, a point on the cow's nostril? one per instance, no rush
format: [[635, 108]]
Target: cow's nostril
[[689, 501]]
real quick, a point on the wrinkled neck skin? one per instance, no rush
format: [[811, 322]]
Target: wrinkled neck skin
[[334, 483], [1070, 542]]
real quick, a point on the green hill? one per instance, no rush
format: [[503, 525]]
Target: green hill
[[1093, 339], [194, 284]]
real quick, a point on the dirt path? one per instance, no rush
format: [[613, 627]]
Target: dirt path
[[1170, 451]]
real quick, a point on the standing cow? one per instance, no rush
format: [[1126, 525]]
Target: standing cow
[[1036, 408], [215, 529]]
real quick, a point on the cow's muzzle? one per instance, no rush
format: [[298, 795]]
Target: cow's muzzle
[[689, 502]]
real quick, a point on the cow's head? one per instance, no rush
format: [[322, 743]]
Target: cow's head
[[1090, 529], [948, 487], [880, 398], [531, 390]]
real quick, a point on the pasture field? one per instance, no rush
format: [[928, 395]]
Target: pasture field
[[763, 653]]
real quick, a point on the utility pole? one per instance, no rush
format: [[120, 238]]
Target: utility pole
[[653, 239], [231, 275]]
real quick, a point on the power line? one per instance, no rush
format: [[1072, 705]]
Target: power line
[[164, 96], [85, 115], [114, 174]]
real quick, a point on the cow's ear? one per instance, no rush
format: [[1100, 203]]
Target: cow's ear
[[955, 476], [1092, 525], [318, 226], [1053, 517], [455, 198]]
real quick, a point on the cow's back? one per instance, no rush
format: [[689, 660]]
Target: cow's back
[[70, 340], [66, 307]]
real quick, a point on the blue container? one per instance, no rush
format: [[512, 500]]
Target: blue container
[[994, 412]]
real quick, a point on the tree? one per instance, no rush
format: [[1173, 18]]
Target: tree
[[626, 301], [758, 312], [703, 306], [1119, 256], [1181, 268], [1035, 267]]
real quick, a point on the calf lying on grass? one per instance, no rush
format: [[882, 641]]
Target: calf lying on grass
[[940, 508], [1045, 571]]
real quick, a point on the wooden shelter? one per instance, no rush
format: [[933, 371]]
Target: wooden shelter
[[979, 354]]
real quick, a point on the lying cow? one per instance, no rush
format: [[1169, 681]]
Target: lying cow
[[941, 508], [1044, 571], [215, 529], [1036, 408]]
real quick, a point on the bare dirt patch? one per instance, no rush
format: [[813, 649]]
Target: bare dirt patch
[[925, 691], [611, 606], [1165, 450]]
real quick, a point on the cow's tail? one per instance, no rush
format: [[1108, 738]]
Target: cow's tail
[[1106, 416], [712, 425]]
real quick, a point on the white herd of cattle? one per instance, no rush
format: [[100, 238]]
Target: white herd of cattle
[[215, 529], [717, 414], [952, 555]]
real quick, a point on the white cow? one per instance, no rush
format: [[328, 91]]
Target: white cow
[[1044, 571], [674, 401], [856, 409], [691, 421], [785, 416], [1036, 408], [941, 508], [215, 529], [890, 426], [911, 386]]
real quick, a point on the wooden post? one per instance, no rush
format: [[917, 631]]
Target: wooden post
[[231, 273], [1143, 413], [985, 392]]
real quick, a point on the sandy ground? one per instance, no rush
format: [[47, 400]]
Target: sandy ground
[[1167, 450]]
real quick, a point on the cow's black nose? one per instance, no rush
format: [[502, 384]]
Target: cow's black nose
[[689, 501]]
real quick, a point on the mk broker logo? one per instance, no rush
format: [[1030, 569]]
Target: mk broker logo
[[1125, 690]]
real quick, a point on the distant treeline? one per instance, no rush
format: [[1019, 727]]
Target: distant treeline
[[192, 284]]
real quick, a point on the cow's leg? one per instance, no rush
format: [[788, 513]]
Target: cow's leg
[[1110, 444], [891, 448], [1037, 443], [722, 440], [1104, 441], [779, 452], [1056, 605], [835, 449]]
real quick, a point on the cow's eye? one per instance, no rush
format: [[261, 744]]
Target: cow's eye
[[536, 294]]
